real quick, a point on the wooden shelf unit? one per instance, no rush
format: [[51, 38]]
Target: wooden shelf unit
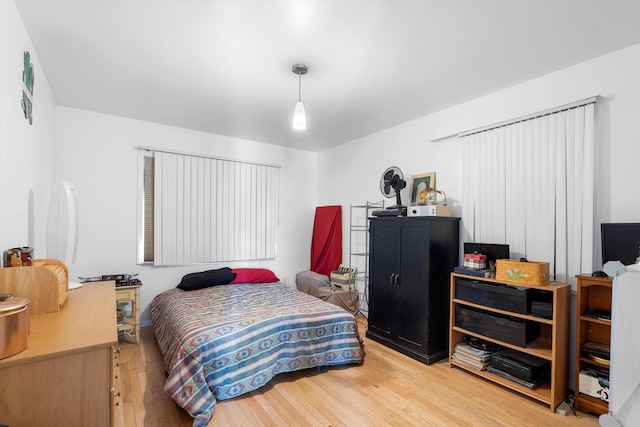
[[593, 293], [551, 344]]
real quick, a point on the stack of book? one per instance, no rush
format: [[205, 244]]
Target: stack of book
[[476, 358], [485, 272]]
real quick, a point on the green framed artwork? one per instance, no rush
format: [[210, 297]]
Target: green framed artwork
[[27, 88]]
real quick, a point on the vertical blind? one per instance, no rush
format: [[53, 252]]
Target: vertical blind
[[211, 209], [148, 203], [531, 184]]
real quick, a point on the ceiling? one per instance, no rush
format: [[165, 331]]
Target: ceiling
[[224, 67]]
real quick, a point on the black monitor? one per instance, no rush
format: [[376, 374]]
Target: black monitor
[[493, 251], [620, 242]]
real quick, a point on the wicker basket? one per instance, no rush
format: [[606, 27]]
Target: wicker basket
[[528, 273]]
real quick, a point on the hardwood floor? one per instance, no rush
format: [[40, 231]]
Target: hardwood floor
[[389, 389]]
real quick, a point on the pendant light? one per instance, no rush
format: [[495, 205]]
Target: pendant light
[[299, 115]]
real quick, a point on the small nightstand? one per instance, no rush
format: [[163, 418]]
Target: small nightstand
[[129, 327]]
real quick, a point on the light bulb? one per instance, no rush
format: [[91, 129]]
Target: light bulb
[[299, 117]]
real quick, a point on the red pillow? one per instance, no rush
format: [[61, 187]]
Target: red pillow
[[254, 275]]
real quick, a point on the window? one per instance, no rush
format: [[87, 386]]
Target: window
[[198, 209]]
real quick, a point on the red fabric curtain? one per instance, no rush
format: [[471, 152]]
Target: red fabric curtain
[[326, 243]]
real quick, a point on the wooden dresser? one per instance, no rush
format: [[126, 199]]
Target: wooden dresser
[[66, 374]]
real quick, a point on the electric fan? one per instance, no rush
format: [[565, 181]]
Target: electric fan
[[391, 183]]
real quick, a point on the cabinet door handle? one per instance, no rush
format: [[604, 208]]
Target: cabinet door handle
[[393, 280], [397, 280]]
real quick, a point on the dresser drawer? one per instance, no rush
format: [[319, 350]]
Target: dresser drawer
[[125, 294]]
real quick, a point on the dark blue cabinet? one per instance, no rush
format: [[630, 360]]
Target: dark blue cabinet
[[410, 260]]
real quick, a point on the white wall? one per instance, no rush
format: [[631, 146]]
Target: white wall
[[624, 395], [96, 153], [615, 77], [25, 150]]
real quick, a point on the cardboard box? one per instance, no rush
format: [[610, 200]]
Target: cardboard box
[[343, 278], [527, 273], [429, 210]]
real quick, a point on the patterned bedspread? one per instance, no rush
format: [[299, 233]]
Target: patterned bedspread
[[223, 341]]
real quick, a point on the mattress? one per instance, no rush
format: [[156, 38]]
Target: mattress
[[224, 341]]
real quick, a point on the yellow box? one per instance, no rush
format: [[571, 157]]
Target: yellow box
[[527, 273]]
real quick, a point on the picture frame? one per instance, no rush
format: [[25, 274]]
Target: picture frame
[[420, 185]]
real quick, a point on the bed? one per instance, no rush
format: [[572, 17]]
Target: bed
[[223, 341]]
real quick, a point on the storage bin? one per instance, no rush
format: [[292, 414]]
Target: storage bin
[[507, 329], [509, 298], [530, 273]]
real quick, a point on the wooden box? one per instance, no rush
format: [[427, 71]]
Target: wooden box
[[45, 284], [529, 273]]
